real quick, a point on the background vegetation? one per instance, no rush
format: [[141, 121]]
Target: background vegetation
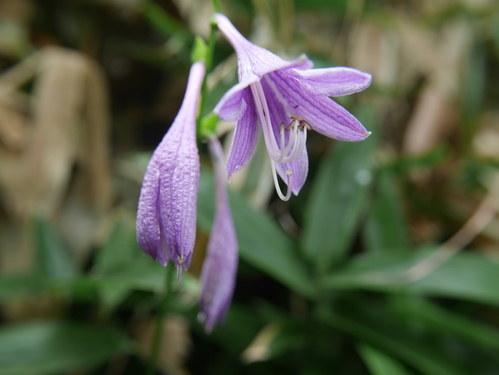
[[387, 263]]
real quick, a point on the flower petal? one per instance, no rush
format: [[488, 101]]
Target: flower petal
[[277, 111], [337, 81], [245, 137], [218, 276], [304, 63], [299, 171], [148, 232], [166, 219], [233, 104], [278, 116], [178, 184], [323, 114], [252, 59]]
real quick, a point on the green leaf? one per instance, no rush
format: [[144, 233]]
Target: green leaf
[[161, 20], [238, 330], [432, 158], [382, 330], [121, 267], [119, 251], [386, 228], [469, 276], [49, 347], [120, 246], [475, 82], [338, 198], [492, 24], [199, 50], [380, 363], [179, 39], [208, 125], [21, 285], [332, 6], [141, 274], [54, 260], [262, 243], [447, 322]]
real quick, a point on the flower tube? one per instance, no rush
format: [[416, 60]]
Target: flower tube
[[166, 217], [286, 100], [218, 276]]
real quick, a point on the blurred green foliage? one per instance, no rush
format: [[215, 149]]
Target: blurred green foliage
[[332, 292]]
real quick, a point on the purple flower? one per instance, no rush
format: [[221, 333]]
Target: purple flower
[[287, 99], [218, 275], [166, 218]]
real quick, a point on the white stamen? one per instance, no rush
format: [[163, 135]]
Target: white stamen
[[276, 183], [262, 110], [286, 151], [296, 141], [291, 143]]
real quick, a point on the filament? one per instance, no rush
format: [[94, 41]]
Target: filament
[[276, 183], [288, 150], [296, 143]]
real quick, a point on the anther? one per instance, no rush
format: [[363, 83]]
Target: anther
[[304, 125], [294, 120]]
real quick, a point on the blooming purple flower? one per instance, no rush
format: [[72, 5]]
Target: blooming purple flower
[[166, 218], [287, 99], [218, 275]]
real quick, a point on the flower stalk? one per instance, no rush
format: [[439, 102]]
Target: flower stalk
[[160, 322]]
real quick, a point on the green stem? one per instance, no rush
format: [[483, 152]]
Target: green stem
[[163, 308], [216, 6], [208, 63]]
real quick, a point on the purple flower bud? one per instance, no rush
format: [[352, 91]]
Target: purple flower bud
[[166, 218], [286, 99], [218, 275]]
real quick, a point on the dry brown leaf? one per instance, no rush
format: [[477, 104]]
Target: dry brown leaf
[[418, 46], [486, 140], [375, 50], [12, 132], [430, 123], [436, 111], [259, 348], [63, 123], [196, 12]]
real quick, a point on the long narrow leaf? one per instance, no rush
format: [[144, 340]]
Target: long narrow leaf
[[338, 198], [381, 331], [51, 347], [379, 363], [469, 276]]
